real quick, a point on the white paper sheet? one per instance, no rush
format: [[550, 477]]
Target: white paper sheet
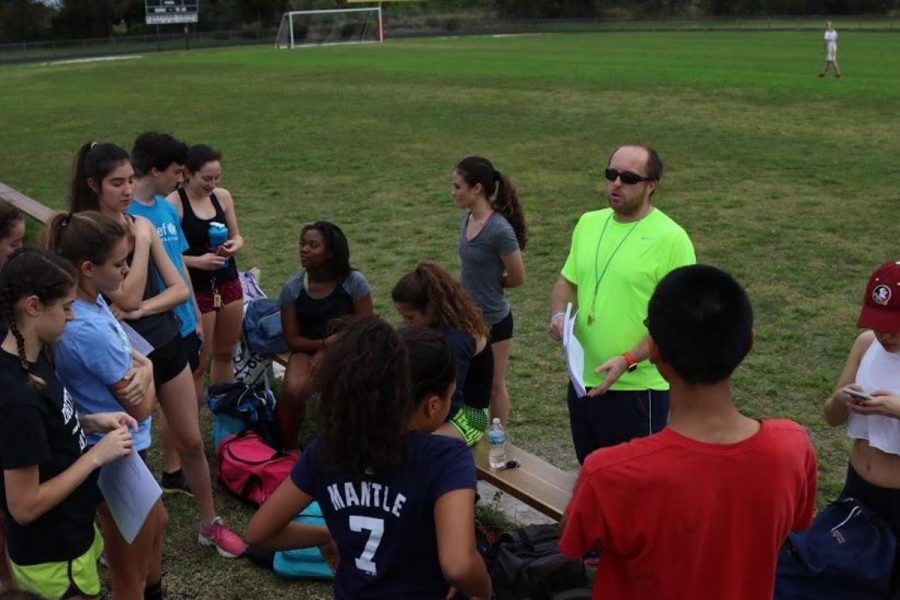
[[130, 492], [574, 352], [138, 342]]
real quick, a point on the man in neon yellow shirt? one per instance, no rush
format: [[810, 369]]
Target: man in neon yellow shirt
[[617, 256]]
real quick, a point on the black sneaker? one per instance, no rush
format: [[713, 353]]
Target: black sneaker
[[174, 483]]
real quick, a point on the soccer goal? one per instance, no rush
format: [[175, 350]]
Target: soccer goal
[[335, 26]]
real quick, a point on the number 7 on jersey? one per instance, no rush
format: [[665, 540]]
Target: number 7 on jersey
[[375, 527]]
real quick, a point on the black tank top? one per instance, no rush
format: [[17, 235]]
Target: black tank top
[[162, 327], [196, 231]]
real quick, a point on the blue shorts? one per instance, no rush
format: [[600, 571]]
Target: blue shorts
[[615, 417]]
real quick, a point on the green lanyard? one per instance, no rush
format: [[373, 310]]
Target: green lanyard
[[599, 276]]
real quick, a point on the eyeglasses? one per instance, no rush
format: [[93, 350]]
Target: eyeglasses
[[627, 177]]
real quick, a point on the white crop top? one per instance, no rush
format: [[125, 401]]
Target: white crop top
[[878, 370]]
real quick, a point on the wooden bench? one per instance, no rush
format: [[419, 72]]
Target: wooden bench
[[535, 482], [29, 206]]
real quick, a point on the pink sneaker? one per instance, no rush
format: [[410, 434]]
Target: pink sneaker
[[227, 543]]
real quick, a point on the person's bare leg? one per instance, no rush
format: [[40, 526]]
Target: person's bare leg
[[499, 393], [291, 407], [6, 578], [208, 323], [170, 459], [227, 331], [837, 69], [131, 565], [183, 419]]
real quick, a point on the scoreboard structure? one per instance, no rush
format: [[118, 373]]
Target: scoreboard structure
[[166, 12]]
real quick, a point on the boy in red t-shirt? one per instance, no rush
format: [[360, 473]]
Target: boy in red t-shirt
[[700, 509]]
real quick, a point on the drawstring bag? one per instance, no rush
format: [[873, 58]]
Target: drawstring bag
[[847, 553]]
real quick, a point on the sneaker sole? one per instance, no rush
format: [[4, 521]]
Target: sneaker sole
[[208, 542]]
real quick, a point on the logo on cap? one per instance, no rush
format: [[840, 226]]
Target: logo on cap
[[881, 294]]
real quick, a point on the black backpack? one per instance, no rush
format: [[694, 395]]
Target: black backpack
[[527, 565]]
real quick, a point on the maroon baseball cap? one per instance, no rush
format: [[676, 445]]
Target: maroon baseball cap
[[881, 308]]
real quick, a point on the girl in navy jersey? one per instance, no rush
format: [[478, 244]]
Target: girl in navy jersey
[[430, 297], [152, 287], [199, 202], [49, 481], [492, 236], [398, 502], [327, 288]]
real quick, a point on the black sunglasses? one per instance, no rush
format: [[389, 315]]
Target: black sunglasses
[[627, 177]]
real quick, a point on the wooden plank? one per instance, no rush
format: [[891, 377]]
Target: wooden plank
[[27, 205], [536, 482]]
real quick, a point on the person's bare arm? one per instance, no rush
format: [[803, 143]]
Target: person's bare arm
[[838, 405], [136, 391], [514, 268], [461, 564], [235, 242], [272, 527], [564, 292], [28, 499], [131, 293]]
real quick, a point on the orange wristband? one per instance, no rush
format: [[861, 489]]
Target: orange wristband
[[629, 359]]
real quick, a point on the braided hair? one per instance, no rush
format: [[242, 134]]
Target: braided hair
[[32, 272]]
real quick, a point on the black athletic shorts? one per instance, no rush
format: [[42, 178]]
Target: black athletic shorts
[[193, 346], [502, 330], [169, 360]]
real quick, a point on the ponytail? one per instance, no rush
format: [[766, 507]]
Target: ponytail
[[507, 204], [88, 236], [475, 169], [92, 161]]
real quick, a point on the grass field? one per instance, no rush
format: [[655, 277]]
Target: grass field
[[787, 180]]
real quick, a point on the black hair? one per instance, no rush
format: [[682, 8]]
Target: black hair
[[28, 272], [475, 169], [364, 397], [336, 243], [200, 154], [93, 161], [702, 322], [431, 366], [9, 216], [157, 150]]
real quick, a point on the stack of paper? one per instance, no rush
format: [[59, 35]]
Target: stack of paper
[[574, 352]]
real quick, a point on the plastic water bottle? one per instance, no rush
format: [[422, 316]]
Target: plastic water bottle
[[497, 440], [218, 235]]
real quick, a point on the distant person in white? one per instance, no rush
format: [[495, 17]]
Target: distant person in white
[[830, 50]]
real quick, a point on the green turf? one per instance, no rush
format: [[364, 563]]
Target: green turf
[[787, 180]]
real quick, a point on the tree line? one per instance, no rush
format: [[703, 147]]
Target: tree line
[[36, 20]]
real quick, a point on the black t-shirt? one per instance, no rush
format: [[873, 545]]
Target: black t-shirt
[[41, 428]]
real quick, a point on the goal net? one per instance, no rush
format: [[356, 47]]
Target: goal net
[[336, 26]]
